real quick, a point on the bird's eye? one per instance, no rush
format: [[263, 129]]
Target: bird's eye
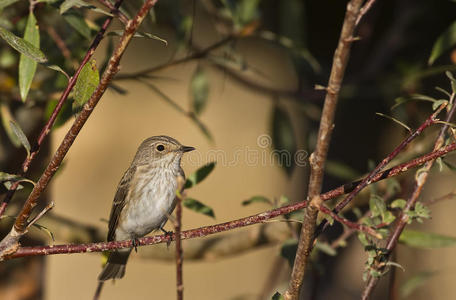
[[160, 148]]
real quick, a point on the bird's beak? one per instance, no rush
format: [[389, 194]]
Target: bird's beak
[[187, 148]]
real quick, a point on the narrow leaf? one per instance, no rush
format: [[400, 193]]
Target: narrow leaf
[[22, 46], [199, 90], [443, 43], [77, 22], [419, 239], [283, 139], [199, 175], [256, 199], [86, 84], [288, 250], [6, 177], [27, 66], [198, 207], [415, 282], [21, 136], [67, 4], [5, 3], [140, 34], [64, 115], [6, 117]]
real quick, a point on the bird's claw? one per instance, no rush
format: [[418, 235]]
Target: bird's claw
[[168, 235], [135, 243]]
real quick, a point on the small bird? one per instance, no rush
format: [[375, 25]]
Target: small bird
[[145, 197]]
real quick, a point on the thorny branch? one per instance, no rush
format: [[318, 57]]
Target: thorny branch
[[212, 229], [10, 243], [318, 158]]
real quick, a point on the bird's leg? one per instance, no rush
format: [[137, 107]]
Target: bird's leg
[[135, 243], [167, 234]]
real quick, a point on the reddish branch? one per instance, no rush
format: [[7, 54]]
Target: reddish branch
[[420, 179], [318, 158], [47, 127], [208, 230], [11, 242], [179, 256]]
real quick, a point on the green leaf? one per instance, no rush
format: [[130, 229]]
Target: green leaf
[[67, 4], [198, 207], [443, 43], [288, 250], [377, 205], [256, 199], [199, 175], [341, 170], [5, 3], [325, 248], [398, 203], [64, 115], [45, 229], [139, 34], [437, 103], [22, 46], [6, 177], [86, 84], [27, 66], [277, 296], [426, 240], [6, 116], [283, 139], [20, 135], [199, 90], [79, 23], [415, 282]]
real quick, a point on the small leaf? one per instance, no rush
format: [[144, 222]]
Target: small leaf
[[199, 175], [86, 84], [437, 103], [443, 43], [6, 117], [45, 229], [325, 248], [277, 296], [199, 90], [283, 139], [140, 34], [21, 136], [415, 282], [198, 207], [23, 46], [398, 203], [256, 199], [27, 66], [79, 23], [377, 206], [288, 250], [394, 120], [64, 115], [426, 240], [341, 170], [58, 69], [5, 3], [67, 4], [6, 177]]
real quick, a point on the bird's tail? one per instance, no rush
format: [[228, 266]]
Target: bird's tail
[[115, 267]]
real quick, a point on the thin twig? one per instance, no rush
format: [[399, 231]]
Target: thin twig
[[11, 242], [318, 158], [208, 230], [47, 127], [364, 10], [420, 180], [179, 255], [115, 10]]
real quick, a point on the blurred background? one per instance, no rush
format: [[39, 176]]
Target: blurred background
[[236, 80]]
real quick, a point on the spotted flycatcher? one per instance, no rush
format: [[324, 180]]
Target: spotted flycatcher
[[145, 197]]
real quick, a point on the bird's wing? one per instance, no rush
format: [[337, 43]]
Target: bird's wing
[[119, 201]]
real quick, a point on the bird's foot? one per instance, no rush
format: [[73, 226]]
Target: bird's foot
[[135, 243], [169, 235]]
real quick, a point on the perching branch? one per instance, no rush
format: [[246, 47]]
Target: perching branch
[[318, 158], [212, 229], [420, 179], [48, 126], [11, 242]]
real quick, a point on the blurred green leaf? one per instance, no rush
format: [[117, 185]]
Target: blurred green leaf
[[443, 43], [341, 170], [256, 199], [13, 178], [426, 240], [414, 282], [247, 11], [58, 69], [199, 175], [21, 136], [437, 103], [86, 84], [283, 139], [27, 66], [199, 90], [325, 248], [78, 22], [67, 4], [6, 116], [64, 115], [22, 46], [198, 207], [5, 3], [398, 203], [288, 250], [377, 205], [45, 229], [140, 34], [277, 296]]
